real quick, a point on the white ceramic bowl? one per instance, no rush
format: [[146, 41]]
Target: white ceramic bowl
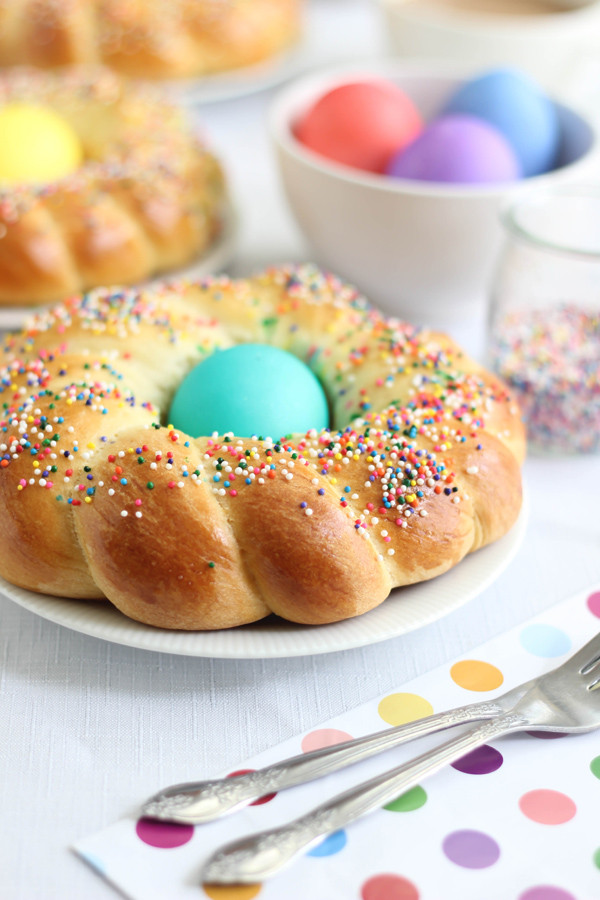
[[417, 249], [552, 44]]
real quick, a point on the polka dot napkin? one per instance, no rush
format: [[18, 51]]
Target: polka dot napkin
[[518, 819]]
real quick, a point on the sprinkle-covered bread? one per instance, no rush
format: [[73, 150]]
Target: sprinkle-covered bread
[[151, 39], [148, 197], [101, 497]]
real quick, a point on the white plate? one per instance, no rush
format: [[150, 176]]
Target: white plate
[[218, 256], [239, 82], [405, 610]]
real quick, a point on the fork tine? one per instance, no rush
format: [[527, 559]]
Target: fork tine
[[586, 658], [591, 665]]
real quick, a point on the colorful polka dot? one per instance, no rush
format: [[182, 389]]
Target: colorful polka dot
[[593, 604], [481, 761], [546, 892], [260, 800], [389, 887], [547, 807], [165, 835], [595, 766], [475, 675], [397, 709], [471, 849], [332, 844], [544, 640], [413, 799], [324, 737], [232, 891], [95, 862]]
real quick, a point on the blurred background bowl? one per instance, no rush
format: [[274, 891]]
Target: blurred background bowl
[[422, 250], [550, 44]]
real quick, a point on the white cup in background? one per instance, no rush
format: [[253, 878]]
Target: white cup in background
[[556, 47]]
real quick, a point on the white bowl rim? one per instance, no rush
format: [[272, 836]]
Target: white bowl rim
[[479, 21], [286, 101]]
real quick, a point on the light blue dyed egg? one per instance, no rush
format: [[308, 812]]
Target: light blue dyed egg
[[250, 389], [514, 104]]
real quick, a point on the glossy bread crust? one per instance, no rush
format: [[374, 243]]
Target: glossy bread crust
[[152, 39]]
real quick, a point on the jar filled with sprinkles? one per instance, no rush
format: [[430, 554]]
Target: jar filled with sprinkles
[[544, 336]]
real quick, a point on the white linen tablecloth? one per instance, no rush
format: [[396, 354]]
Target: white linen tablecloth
[[90, 729]]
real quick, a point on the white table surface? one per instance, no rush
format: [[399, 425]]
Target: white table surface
[[89, 729]]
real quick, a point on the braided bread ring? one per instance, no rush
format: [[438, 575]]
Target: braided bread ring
[[148, 198], [98, 499], [147, 38]]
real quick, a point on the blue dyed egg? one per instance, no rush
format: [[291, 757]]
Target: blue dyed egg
[[515, 105], [250, 389]]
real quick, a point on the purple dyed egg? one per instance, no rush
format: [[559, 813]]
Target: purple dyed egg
[[457, 149]]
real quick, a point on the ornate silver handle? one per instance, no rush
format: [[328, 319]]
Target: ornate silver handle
[[203, 801], [256, 857]]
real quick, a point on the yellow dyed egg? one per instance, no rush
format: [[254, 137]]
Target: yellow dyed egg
[[36, 145]]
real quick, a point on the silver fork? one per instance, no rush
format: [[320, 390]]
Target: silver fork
[[563, 700], [194, 803]]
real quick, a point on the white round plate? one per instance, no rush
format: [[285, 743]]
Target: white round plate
[[238, 82], [218, 256], [405, 610]]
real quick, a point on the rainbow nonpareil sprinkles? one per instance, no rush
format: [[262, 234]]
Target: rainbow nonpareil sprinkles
[[551, 359]]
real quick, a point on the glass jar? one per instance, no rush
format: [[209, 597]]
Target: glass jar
[[544, 329]]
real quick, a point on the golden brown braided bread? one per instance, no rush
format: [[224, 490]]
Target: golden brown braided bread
[[148, 198], [99, 497], [147, 38]]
